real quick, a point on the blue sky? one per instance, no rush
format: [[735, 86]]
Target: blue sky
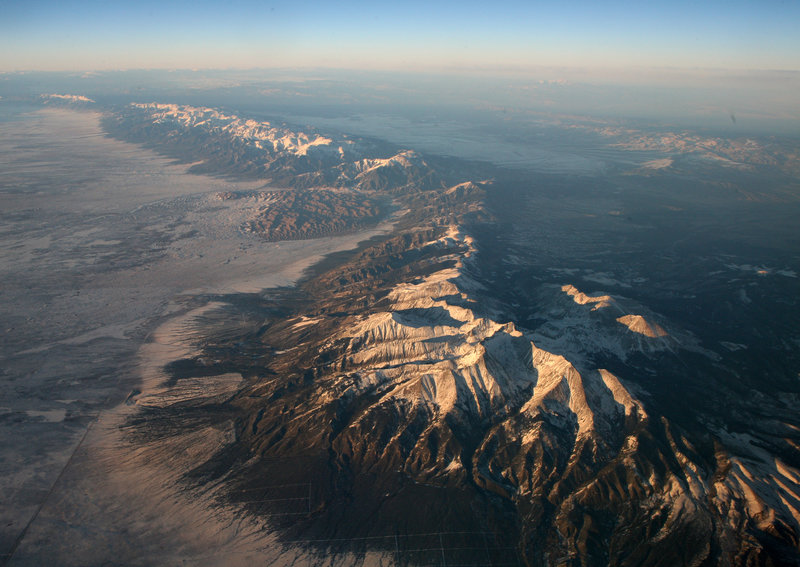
[[466, 35]]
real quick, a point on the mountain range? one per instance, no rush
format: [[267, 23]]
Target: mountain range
[[398, 382]]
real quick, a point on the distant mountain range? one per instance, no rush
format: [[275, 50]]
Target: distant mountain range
[[227, 144], [420, 405]]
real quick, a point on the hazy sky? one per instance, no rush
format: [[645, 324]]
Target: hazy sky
[[465, 35]]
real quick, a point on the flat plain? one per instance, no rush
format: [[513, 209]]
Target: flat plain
[[101, 243]]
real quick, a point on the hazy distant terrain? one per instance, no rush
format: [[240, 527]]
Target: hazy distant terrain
[[536, 337]]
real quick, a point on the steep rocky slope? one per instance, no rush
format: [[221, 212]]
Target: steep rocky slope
[[427, 386]]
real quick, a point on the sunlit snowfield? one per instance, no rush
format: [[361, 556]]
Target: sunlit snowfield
[[102, 242]]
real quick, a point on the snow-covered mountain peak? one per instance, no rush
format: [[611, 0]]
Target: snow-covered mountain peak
[[639, 324], [435, 347], [586, 326], [403, 160], [259, 135]]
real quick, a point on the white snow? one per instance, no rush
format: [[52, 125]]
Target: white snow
[[260, 135], [66, 97], [581, 298], [639, 324], [305, 322]]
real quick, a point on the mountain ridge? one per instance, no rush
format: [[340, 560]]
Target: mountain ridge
[[395, 373]]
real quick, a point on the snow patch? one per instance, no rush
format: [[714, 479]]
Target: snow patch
[[581, 298], [639, 324], [66, 98]]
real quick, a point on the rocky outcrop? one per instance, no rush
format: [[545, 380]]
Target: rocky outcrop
[[291, 215]]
